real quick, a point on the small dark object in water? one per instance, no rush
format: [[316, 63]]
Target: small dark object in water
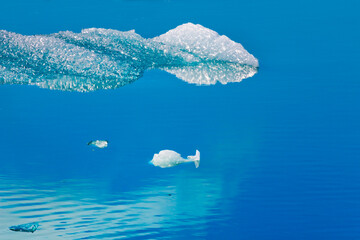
[[169, 194], [29, 227]]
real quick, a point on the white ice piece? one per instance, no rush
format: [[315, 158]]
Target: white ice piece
[[169, 158], [98, 143], [206, 44]]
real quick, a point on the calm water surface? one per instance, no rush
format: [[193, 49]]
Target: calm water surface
[[279, 151]]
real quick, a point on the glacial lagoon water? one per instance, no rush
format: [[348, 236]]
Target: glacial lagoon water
[[279, 150]]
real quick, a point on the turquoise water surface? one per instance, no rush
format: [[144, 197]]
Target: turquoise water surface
[[279, 150]]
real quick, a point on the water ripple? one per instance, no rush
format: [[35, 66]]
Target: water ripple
[[80, 216]]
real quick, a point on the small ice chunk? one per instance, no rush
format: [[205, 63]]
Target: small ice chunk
[[169, 158], [98, 143], [29, 227]]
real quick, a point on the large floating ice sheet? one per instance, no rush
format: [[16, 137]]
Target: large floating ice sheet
[[107, 59]]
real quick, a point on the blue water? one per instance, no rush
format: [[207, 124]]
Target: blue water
[[279, 151]]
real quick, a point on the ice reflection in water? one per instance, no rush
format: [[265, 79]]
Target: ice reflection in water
[[66, 212]]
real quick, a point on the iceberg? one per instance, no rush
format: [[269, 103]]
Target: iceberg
[[99, 58]]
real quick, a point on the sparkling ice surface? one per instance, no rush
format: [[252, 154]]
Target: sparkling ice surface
[[107, 59]]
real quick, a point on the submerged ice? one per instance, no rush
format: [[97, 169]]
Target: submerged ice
[[107, 59], [28, 227], [169, 158]]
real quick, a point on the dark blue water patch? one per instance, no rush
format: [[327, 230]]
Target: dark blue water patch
[[59, 229]]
